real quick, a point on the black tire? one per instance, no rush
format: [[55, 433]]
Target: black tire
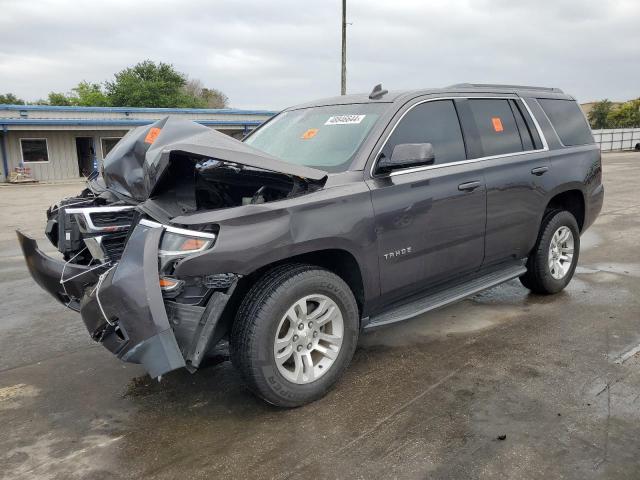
[[254, 331], [538, 278]]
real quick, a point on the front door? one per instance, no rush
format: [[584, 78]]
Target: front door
[[430, 220]]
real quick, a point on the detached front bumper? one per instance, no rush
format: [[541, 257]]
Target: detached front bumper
[[65, 281], [123, 307]]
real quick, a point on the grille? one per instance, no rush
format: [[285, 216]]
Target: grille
[[112, 219], [113, 246]]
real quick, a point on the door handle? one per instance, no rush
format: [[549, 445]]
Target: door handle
[[540, 170], [468, 186]]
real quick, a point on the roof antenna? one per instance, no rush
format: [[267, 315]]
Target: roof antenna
[[377, 92]]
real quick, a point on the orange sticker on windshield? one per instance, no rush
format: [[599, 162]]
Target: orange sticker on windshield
[[312, 132], [497, 124], [152, 135]]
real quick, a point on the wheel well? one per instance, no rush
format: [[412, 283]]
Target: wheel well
[[572, 201], [340, 262]]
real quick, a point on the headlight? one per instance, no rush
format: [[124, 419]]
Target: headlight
[[178, 243]]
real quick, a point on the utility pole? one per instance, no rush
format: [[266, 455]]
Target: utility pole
[[343, 89]]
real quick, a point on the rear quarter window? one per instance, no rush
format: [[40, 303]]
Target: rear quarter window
[[568, 121]]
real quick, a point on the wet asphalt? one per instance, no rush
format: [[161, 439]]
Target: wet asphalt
[[503, 385]]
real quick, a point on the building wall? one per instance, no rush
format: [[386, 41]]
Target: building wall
[[61, 145], [61, 125]]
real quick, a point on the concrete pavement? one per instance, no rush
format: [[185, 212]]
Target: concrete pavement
[[506, 384]]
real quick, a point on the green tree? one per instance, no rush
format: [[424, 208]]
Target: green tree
[[11, 99], [148, 84], [90, 95], [210, 97], [626, 115], [599, 113], [214, 98], [59, 99]]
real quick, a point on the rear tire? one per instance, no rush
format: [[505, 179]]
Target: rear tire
[[294, 334], [553, 260]]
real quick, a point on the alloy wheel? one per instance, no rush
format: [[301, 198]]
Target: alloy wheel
[[561, 252], [308, 339]]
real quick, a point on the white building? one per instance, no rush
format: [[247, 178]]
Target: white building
[[59, 143]]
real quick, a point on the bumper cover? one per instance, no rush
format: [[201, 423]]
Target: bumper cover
[[126, 312], [123, 307], [65, 281]]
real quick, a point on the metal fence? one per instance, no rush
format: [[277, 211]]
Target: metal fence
[[613, 139]]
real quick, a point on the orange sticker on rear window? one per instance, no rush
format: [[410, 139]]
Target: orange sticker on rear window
[[497, 124], [312, 132], [152, 135]]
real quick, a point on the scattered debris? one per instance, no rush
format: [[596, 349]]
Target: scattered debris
[[21, 175]]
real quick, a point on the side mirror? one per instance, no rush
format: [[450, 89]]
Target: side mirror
[[406, 155]]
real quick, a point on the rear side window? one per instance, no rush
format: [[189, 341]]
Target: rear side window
[[430, 122], [496, 125], [568, 121]]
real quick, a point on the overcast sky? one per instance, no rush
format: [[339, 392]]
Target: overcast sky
[[271, 54]]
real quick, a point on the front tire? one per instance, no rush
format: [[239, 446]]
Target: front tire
[[294, 334], [553, 260]]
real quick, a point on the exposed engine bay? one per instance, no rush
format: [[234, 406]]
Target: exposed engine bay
[[93, 227], [193, 184], [171, 168]]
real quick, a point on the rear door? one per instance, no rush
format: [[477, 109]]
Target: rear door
[[430, 220], [515, 164]]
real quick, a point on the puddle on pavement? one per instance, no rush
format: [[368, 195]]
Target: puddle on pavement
[[180, 379]]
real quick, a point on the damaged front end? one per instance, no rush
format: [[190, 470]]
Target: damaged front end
[[120, 250], [134, 306]]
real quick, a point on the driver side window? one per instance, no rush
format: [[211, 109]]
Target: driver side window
[[431, 122]]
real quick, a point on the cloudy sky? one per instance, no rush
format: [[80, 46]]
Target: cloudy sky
[[270, 54]]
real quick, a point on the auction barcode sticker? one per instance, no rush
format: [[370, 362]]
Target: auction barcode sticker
[[344, 119]]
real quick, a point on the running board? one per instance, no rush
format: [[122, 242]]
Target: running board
[[446, 296]]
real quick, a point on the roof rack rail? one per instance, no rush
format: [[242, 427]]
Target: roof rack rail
[[497, 85]]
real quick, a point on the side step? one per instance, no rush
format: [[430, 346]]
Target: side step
[[445, 296]]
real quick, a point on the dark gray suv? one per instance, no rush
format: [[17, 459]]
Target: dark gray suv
[[339, 215]]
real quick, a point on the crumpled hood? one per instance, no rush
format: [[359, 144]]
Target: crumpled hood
[[137, 162]]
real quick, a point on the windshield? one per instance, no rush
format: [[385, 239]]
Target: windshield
[[322, 137]]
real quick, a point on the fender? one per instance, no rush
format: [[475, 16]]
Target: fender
[[258, 235]]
